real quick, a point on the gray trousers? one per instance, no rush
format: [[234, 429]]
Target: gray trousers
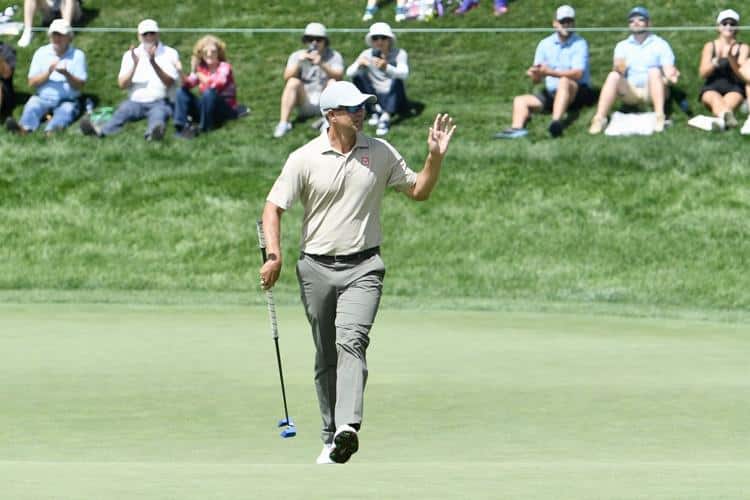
[[341, 300], [157, 112]]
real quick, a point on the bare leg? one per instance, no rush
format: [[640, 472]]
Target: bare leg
[[656, 90], [291, 95], [523, 106], [71, 11], [29, 9], [566, 92], [608, 94], [713, 101]]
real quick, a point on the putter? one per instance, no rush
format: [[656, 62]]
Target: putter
[[289, 429]]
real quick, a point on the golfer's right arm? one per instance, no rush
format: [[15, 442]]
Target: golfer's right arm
[[271, 269]]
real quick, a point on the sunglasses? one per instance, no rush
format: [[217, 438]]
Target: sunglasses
[[380, 37], [148, 33], [352, 109], [567, 20], [729, 23], [309, 39]]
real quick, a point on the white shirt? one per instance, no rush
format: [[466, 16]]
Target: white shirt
[[146, 86]]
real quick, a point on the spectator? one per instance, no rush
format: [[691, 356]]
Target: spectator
[[58, 73], [562, 60], [381, 70], [7, 69], [500, 7], [644, 65], [372, 8], [721, 59], [212, 73], [308, 71], [70, 10], [147, 72]]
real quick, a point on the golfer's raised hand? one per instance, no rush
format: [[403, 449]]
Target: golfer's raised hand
[[440, 134], [269, 272]]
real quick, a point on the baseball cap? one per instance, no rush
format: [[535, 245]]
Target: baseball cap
[[727, 14], [60, 26], [565, 12], [379, 29], [148, 26], [316, 30], [340, 94], [639, 11]]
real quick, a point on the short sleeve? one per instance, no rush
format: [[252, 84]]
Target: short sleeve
[[37, 66], [288, 186], [336, 61], [400, 176], [126, 66], [79, 69], [620, 50], [580, 55], [293, 59], [666, 56], [539, 53]]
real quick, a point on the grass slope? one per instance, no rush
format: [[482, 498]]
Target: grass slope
[[645, 221], [173, 402]]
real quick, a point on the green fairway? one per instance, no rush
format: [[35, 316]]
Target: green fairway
[[151, 402]]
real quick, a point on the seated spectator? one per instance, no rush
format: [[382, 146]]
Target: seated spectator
[[148, 72], [308, 71], [721, 60], [381, 70], [7, 69], [644, 65], [58, 73], [500, 7], [372, 8], [212, 73], [562, 60], [70, 10]]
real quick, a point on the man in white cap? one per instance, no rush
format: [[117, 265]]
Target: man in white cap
[[562, 61], [58, 72], [307, 73], [341, 177], [382, 69], [643, 66], [149, 73]]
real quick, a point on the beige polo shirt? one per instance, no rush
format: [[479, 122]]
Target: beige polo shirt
[[340, 193]]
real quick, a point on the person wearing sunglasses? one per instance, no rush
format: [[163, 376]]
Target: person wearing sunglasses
[[212, 73], [724, 88], [381, 70], [643, 68], [340, 178], [148, 72], [57, 72], [562, 62], [308, 71]]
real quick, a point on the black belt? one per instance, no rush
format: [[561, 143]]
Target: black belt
[[352, 257]]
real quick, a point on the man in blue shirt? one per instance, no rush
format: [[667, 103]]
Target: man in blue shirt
[[58, 72], [644, 65], [562, 60]]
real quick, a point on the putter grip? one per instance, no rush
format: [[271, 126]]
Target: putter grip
[[261, 240], [269, 294]]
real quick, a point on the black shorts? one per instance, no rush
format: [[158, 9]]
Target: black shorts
[[584, 97], [723, 86]]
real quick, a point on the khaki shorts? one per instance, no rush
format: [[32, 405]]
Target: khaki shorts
[[632, 95]]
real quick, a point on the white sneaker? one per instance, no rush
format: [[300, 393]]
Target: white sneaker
[[745, 130], [345, 444], [25, 39], [281, 129], [374, 119], [384, 126], [325, 455], [597, 125]]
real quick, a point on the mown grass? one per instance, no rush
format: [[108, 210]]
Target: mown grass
[[651, 221]]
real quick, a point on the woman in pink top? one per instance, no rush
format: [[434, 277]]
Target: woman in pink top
[[213, 75]]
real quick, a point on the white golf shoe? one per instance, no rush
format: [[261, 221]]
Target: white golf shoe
[[325, 455], [345, 444], [281, 129]]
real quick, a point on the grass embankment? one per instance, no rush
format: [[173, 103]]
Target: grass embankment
[[647, 221]]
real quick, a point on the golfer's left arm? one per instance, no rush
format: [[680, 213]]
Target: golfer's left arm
[[438, 138], [271, 269]]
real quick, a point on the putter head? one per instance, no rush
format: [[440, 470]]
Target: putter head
[[290, 430]]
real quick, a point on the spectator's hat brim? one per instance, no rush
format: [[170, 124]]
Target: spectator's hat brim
[[148, 26], [379, 29], [61, 27]]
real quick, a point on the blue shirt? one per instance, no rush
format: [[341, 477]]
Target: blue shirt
[[573, 53], [654, 52], [57, 88]]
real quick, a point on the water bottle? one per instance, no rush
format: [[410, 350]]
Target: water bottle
[[89, 105]]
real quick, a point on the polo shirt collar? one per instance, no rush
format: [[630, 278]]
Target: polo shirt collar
[[632, 40], [324, 144]]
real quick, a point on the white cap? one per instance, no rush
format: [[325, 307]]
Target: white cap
[[340, 93], [565, 12], [60, 26], [315, 29], [381, 29], [147, 26], [727, 14]]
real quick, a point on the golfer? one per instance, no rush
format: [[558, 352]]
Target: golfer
[[340, 177]]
